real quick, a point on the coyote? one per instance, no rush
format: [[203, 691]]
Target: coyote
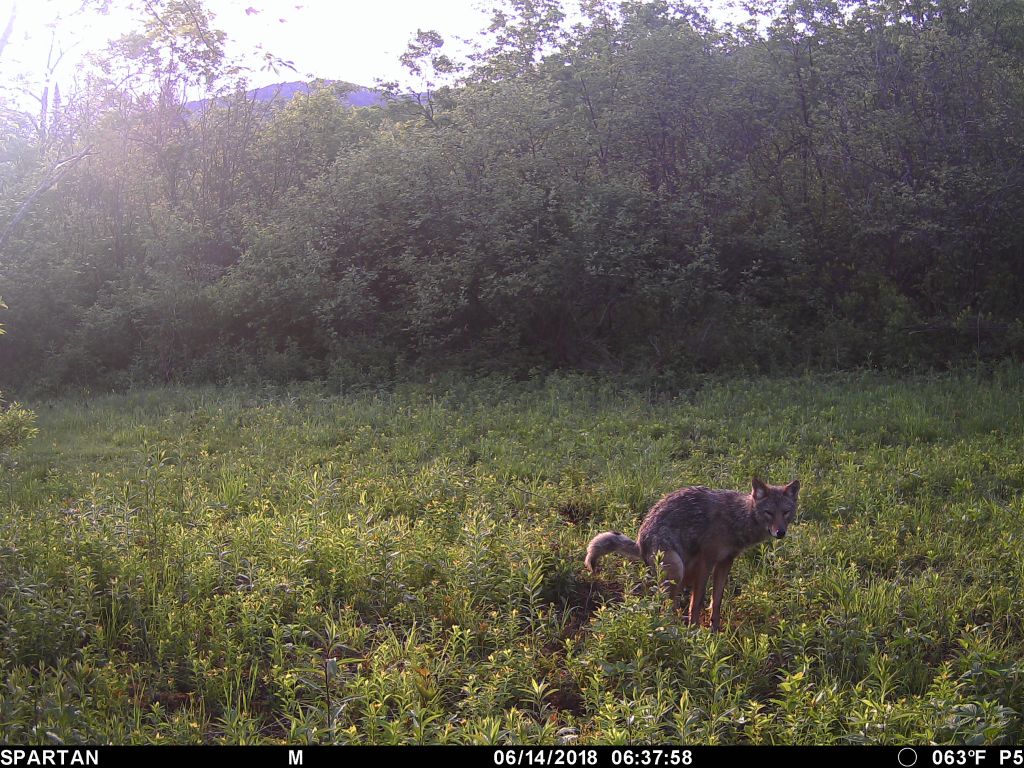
[[699, 531]]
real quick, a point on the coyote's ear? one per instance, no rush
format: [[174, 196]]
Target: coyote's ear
[[792, 489], [760, 489]]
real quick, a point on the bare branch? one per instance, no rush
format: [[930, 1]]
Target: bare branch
[[8, 29], [57, 172]]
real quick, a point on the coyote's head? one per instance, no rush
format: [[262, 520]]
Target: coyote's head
[[775, 505]]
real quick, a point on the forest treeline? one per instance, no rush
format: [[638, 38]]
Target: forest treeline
[[641, 188]]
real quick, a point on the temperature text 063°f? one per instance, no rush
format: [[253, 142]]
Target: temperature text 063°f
[[956, 757]]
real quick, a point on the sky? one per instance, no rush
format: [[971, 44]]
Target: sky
[[357, 41], [341, 39]]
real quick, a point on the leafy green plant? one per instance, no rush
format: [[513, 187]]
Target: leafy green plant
[[17, 426]]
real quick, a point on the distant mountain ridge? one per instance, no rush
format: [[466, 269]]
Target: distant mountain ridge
[[352, 95]]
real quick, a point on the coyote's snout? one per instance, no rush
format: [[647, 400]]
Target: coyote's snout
[[699, 532]]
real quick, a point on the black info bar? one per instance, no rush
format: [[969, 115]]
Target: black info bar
[[486, 756]]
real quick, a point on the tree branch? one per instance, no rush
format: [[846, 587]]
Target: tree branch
[[6, 35], [59, 170]]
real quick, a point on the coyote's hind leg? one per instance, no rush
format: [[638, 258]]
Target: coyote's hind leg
[[674, 573]]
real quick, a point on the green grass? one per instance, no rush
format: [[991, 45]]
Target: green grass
[[249, 566]]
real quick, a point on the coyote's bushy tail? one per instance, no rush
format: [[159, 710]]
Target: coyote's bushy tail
[[610, 541]]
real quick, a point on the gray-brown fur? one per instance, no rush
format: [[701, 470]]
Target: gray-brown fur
[[699, 532], [610, 541]]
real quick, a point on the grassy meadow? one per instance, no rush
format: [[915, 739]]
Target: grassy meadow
[[405, 566]]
